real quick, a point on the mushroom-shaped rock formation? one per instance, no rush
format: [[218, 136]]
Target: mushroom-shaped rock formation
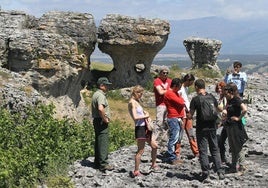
[[203, 52], [132, 44]]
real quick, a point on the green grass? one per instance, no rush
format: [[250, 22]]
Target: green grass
[[101, 66]]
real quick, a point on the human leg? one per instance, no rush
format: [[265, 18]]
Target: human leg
[[140, 150], [214, 149], [188, 123], [153, 144], [161, 131], [202, 143], [233, 148], [174, 133], [178, 144], [102, 143], [222, 144]]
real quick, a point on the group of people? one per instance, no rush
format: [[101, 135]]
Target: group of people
[[174, 116]]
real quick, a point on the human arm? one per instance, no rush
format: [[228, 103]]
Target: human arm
[[103, 116], [183, 94], [243, 113], [161, 90], [192, 110]]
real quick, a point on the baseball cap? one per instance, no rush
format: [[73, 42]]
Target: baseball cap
[[103, 80]]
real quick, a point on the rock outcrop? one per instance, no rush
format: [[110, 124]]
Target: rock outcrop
[[132, 44], [203, 52], [51, 51]]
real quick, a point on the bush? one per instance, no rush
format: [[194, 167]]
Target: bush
[[37, 146]]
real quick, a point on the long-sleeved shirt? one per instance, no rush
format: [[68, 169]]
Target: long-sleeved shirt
[[175, 104]]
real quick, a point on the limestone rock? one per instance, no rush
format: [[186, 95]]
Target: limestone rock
[[11, 21], [203, 51], [79, 26], [52, 52], [132, 44]]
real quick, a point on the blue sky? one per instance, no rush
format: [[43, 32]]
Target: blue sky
[[163, 9]]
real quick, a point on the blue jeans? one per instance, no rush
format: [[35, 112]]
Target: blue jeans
[[174, 136]]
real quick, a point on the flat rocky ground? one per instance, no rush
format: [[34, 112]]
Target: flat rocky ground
[[188, 174]]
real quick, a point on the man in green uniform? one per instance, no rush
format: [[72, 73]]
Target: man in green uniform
[[101, 117]]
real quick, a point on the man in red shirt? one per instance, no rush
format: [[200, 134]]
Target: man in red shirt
[[175, 113], [161, 86]]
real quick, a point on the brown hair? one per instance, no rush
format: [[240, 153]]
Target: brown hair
[[232, 88], [237, 63], [221, 84], [189, 77]]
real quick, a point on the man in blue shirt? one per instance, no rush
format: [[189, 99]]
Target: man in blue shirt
[[237, 77]]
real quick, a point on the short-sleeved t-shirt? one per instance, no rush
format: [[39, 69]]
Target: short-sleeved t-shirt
[[159, 99], [239, 79], [196, 106], [233, 108], [99, 98]]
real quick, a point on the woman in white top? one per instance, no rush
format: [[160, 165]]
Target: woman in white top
[[142, 134], [222, 102]]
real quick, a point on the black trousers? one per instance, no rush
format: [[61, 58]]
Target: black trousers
[[208, 139], [222, 144]]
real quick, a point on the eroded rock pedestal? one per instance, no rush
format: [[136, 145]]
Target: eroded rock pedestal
[[132, 44], [203, 52]]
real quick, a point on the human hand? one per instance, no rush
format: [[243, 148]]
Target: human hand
[[146, 114]]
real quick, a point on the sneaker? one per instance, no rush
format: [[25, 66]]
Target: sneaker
[[221, 175], [135, 174], [204, 176], [155, 169], [231, 170], [176, 162], [107, 167]]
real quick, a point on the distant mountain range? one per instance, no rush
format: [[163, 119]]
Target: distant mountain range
[[243, 37]]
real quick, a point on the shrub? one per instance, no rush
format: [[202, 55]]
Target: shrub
[[38, 148]]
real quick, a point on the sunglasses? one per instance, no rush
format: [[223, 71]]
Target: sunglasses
[[165, 73]]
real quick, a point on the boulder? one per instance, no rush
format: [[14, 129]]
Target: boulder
[[203, 52], [132, 43]]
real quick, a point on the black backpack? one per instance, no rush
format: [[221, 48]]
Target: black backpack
[[208, 111]]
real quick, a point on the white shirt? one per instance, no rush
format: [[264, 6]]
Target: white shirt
[[183, 92]]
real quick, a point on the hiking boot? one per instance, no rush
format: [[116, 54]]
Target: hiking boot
[[155, 169], [176, 162], [221, 175], [231, 170], [204, 176], [107, 167]]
